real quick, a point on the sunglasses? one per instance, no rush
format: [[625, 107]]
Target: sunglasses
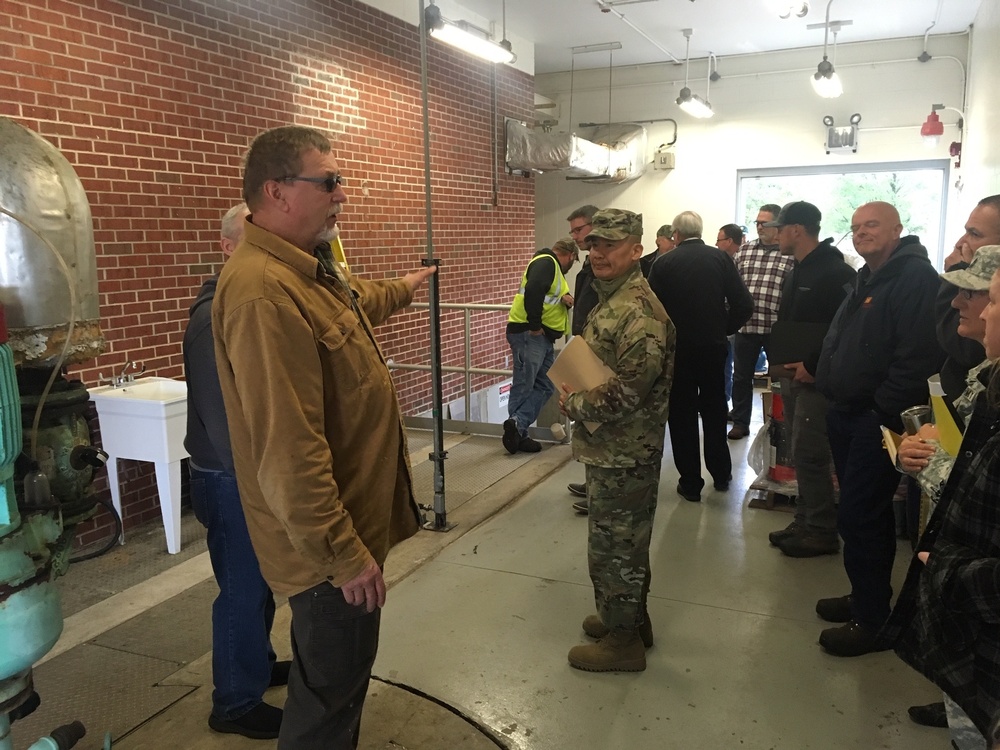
[[329, 183], [968, 294]]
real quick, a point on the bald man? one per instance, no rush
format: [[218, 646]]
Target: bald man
[[880, 349]]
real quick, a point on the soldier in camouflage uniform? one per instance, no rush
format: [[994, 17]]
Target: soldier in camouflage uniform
[[921, 455], [630, 332]]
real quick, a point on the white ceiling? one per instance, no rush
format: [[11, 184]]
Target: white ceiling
[[724, 27]]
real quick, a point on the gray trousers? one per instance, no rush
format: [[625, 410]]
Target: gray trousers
[[333, 649], [805, 412]]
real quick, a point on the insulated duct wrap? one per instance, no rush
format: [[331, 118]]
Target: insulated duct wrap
[[615, 153]]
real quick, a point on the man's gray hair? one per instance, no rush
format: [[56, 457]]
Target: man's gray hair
[[232, 222], [688, 224]]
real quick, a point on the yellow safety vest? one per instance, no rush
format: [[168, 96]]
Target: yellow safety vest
[[337, 248], [555, 314]]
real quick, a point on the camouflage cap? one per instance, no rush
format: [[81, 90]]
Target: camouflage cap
[[566, 245], [977, 276], [615, 224]]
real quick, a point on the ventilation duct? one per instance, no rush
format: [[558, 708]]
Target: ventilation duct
[[615, 153]]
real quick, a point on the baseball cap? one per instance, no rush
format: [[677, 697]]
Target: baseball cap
[[797, 212], [977, 276], [615, 224], [566, 245]]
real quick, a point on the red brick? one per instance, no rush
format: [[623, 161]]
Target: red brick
[[159, 105]]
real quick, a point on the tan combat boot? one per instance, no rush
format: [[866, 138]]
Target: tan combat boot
[[616, 652], [595, 628]]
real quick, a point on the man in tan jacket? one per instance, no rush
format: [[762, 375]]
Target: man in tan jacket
[[316, 430]]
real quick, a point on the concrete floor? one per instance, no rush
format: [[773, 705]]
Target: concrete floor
[[482, 620]]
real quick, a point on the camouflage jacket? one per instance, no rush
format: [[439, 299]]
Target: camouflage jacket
[[630, 332], [932, 477]]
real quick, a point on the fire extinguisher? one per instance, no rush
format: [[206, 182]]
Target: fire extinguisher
[[780, 467]]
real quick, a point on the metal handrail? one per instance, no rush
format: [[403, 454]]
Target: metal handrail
[[467, 369], [468, 426]]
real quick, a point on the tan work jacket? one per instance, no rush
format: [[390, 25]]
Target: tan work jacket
[[316, 430]]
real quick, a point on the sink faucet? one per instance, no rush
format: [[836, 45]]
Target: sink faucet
[[130, 370], [128, 374]]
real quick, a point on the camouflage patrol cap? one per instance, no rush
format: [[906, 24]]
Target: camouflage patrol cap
[[977, 276], [566, 245], [615, 224]]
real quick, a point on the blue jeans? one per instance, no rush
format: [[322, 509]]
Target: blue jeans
[[868, 480], [243, 612], [530, 389], [729, 368]]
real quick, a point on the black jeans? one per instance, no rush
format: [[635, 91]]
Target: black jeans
[[333, 649], [699, 387]]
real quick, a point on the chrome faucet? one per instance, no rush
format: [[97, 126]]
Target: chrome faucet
[[130, 371], [128, 374]]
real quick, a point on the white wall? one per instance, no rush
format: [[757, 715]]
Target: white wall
[[981, 149], [766, 116]]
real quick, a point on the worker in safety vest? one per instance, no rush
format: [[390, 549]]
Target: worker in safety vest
[[538, 316]]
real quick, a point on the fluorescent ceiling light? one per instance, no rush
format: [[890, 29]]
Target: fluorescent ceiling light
[[460, 35], [694, 105]]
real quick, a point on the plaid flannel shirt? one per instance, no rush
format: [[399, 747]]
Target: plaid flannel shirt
[[763, 271]]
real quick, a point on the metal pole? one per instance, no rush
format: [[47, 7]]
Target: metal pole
[[468, 364], [440, 520]]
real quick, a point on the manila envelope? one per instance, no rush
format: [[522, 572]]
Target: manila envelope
[[578, 367]]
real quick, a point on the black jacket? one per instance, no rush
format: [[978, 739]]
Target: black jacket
[[813, 292], [646, 262], [207, 437], [584, 296], [881, 346], [702, 292], [963, 354]]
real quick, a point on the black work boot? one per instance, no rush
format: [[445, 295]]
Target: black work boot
[[835, 609], [262, 722], [852, 639], [776, 536], [809, 544]]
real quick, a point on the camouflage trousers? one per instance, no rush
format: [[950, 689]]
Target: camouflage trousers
[[622, 506], [964, 735]]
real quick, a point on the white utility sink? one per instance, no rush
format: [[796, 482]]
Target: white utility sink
[[146, 420]]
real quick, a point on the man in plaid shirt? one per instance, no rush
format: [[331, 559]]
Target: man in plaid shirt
[[762, 268]]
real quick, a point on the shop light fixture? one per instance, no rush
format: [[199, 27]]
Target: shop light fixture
[[785, 9], [691, 103], [825, 80], [467, 37]]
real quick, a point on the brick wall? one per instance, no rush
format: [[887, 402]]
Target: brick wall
[[154, 103]]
